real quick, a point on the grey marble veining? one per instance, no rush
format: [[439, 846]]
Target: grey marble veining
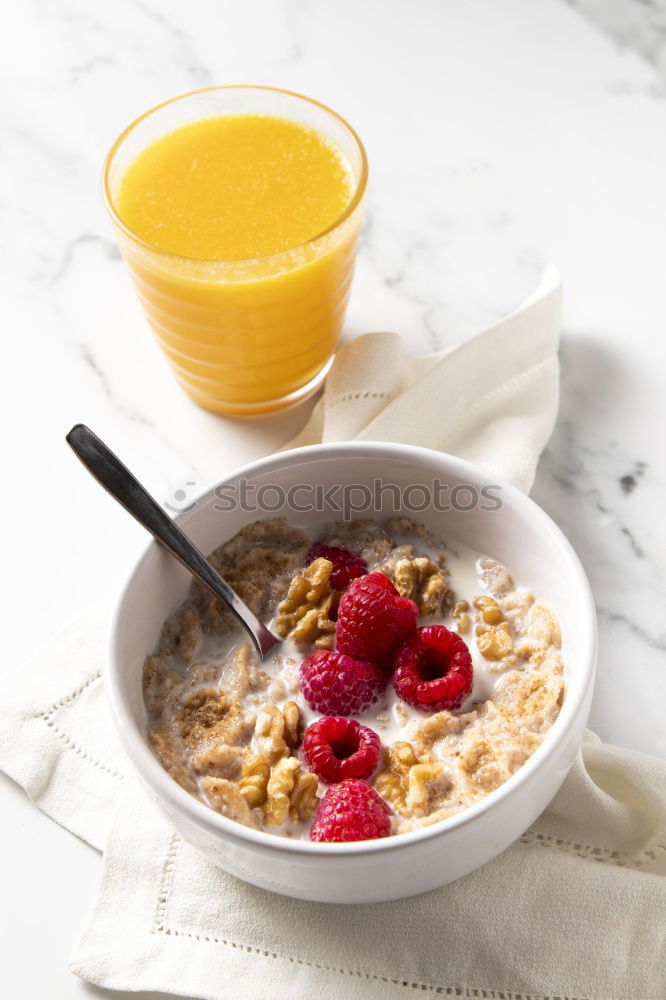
[[601, 489], [635, 24]]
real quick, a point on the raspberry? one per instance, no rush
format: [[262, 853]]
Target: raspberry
[[346, 565], [351, 810], [335, 684], [336, 748], [433, 670], [373, 619]]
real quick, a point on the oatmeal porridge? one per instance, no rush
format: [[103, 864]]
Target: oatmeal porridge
[[414, 678]]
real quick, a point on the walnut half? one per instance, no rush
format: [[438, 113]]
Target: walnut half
[[424, 582], [493, 633], [291, 793], [253, 784], [276, 732], [494, 641], [407, 780], [305, 613]]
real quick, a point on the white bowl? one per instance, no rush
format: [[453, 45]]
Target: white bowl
[[519, 534]]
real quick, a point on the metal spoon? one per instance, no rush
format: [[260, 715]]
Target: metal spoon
[[130, 494]]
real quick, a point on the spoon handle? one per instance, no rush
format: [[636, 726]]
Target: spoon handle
[[128, 491]]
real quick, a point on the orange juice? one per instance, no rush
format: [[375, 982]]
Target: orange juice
[[240, 232]]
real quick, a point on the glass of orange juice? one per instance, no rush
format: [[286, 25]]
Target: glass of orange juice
[[237, 210]]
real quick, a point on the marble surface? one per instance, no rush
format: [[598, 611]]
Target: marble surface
[[501, 138]]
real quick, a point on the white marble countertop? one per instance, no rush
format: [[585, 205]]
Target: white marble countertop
[[501, 137]]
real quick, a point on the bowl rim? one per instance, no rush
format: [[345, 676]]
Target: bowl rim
[[152, 772]]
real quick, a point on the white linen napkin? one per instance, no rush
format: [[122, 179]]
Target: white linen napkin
[[491, 400], [575, 910]]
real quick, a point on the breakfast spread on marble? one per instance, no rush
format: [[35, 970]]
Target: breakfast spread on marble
[[350, 661], [415, 677]]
